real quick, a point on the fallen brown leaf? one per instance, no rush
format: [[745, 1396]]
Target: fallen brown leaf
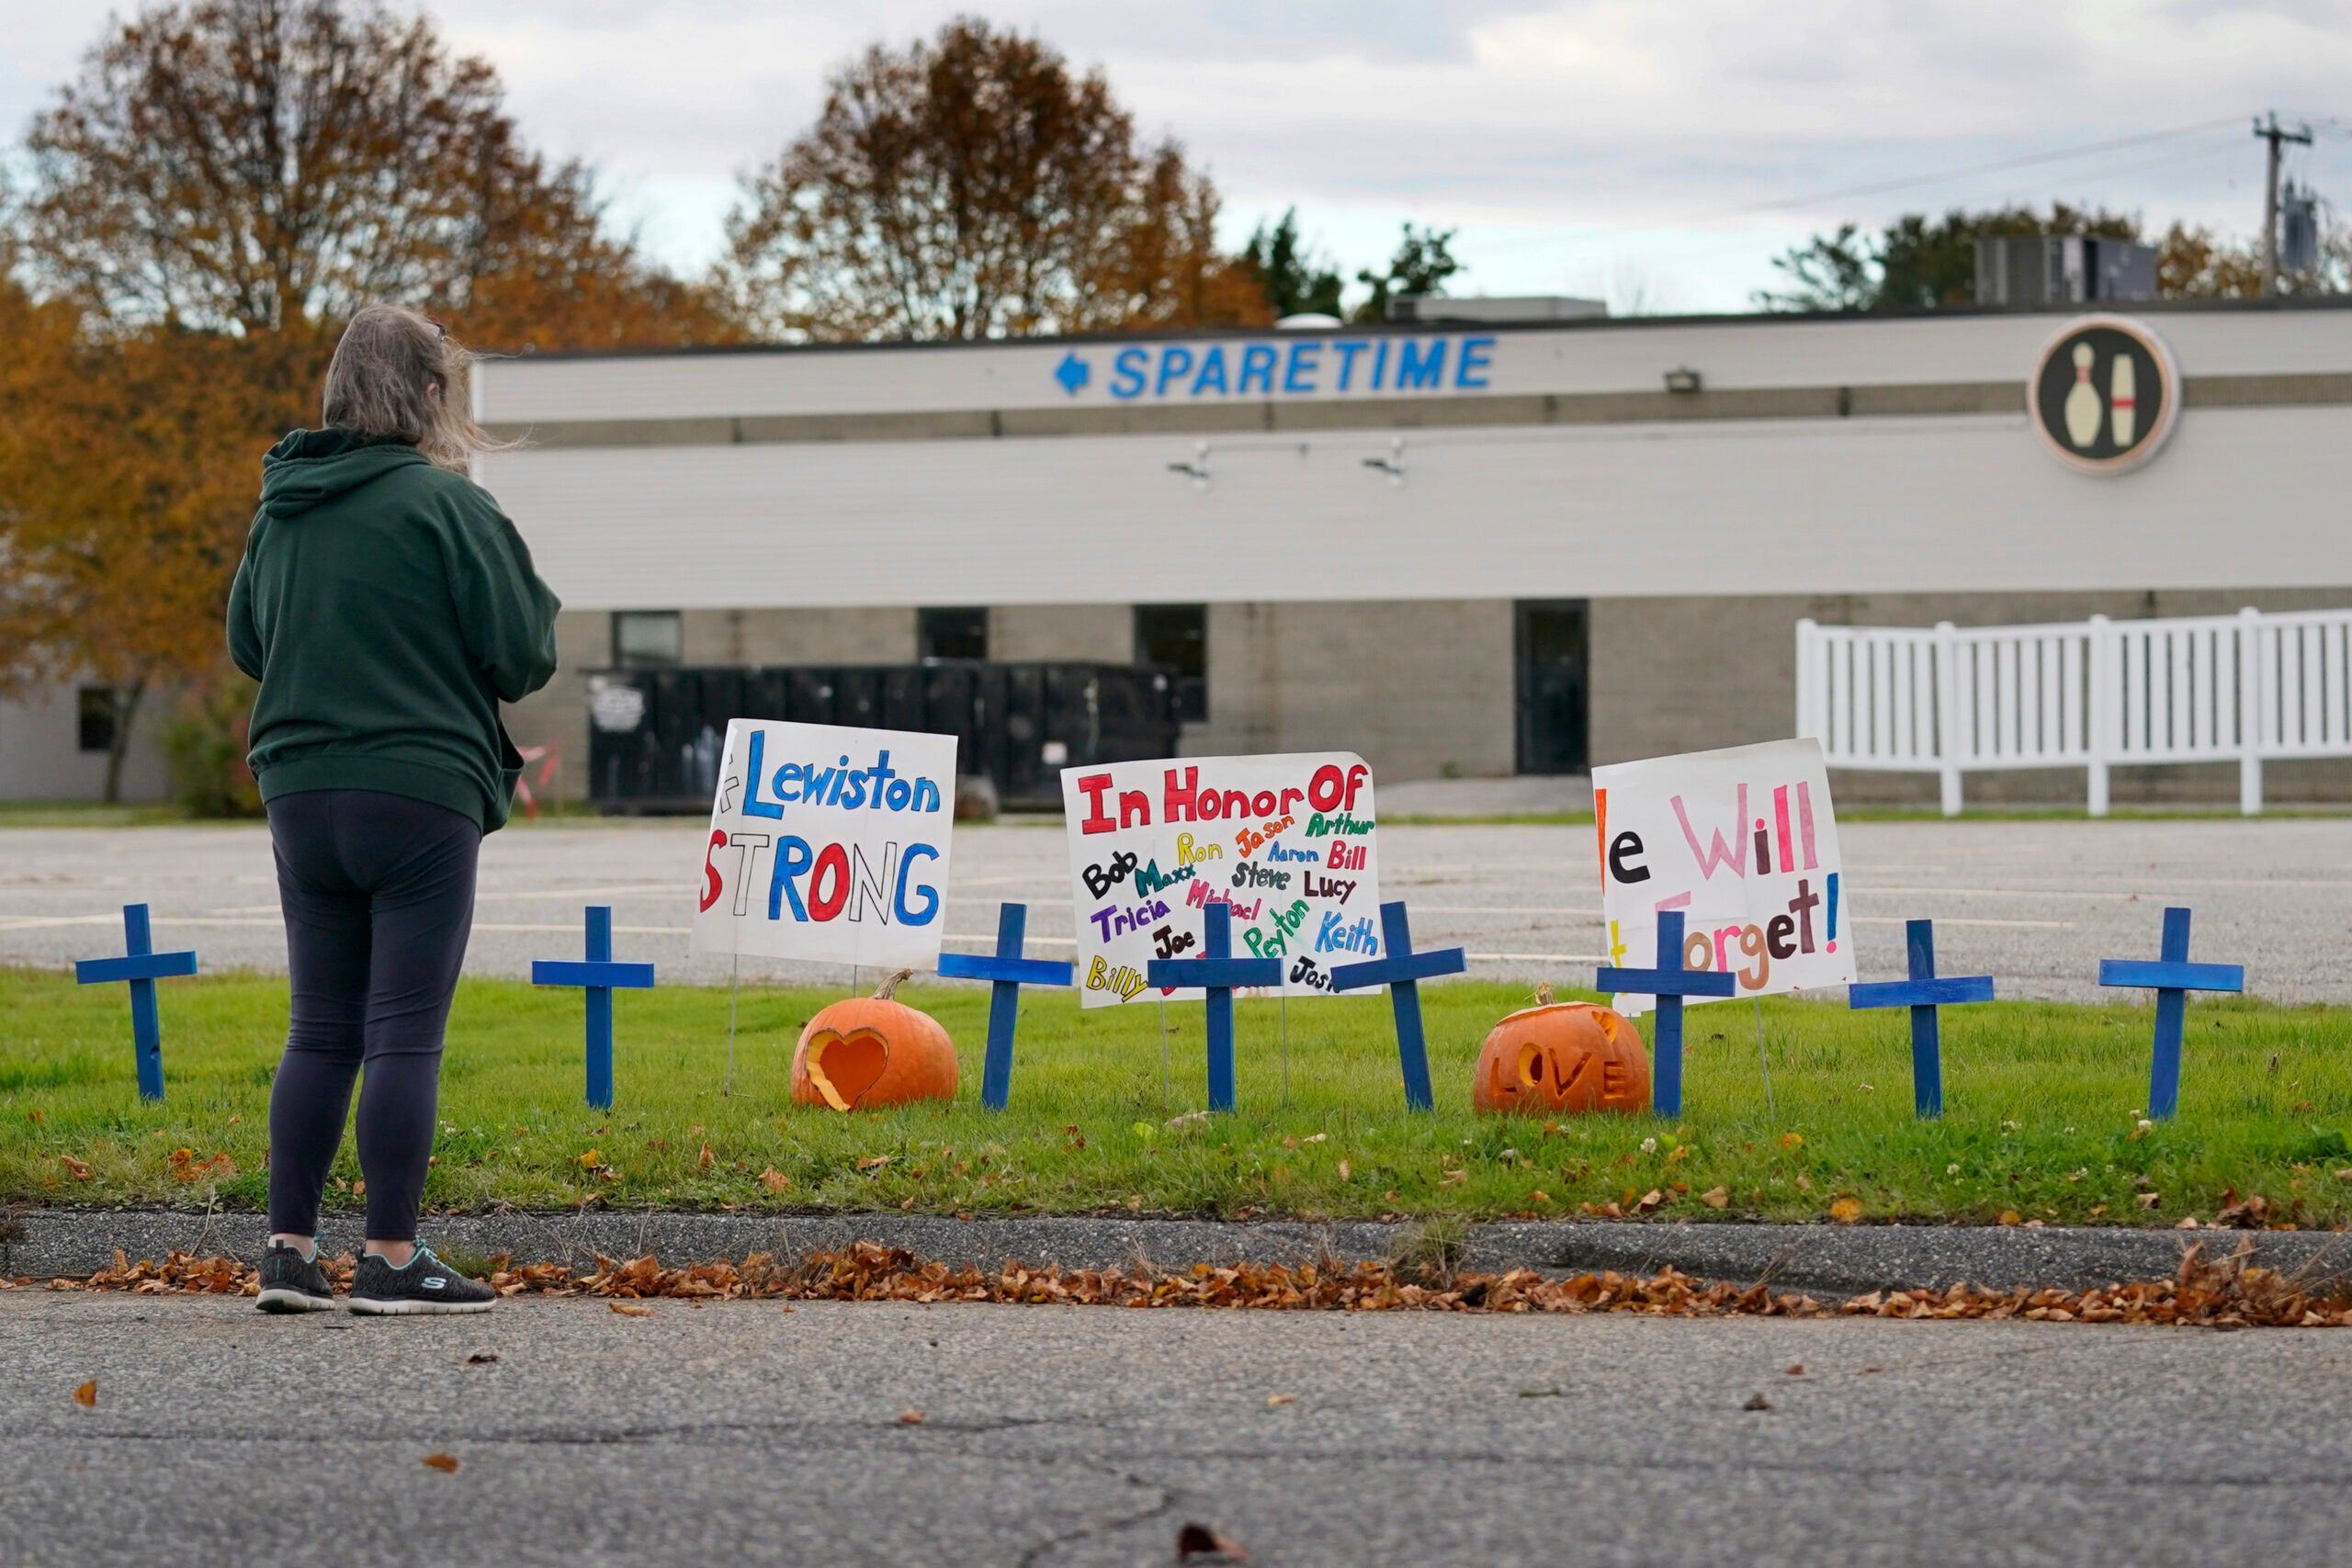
[[2231, 1291], [775, 1179], [80, 1170], [87, 1396], [1200, 1541], [1846, 1210], [1797, 1371], [911, 1417], [1757, 1402], [1718, 1199], [1282, 1399], [705, 1161], [446, 1463], [2150, 1200]]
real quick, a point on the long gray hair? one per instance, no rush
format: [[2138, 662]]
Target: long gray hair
[[398, 376]]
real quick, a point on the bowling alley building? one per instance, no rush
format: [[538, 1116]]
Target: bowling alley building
[[1498, 539], [1458, 547]]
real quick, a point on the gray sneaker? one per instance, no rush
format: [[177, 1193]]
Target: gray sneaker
[[422, 1284], [291, 1282]]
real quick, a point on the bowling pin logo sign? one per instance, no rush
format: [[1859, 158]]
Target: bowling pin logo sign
[[2103, 394]]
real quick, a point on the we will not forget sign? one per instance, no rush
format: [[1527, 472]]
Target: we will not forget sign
[[1743, 841], [827, 843]]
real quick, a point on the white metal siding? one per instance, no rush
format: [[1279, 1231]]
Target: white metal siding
[[2241, 497], [1632, 357]]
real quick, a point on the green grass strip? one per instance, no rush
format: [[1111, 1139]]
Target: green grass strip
[[2042, 1101]]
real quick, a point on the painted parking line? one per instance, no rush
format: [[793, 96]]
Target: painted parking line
[[1964, 920]]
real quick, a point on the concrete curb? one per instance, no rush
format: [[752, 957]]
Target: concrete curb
[[1827, 1261]]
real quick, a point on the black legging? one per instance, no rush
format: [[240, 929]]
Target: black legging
[[378, 895]]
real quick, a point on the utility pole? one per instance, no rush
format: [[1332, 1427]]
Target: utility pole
[[2275, 136]]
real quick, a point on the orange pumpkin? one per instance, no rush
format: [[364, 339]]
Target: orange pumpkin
[[1570, 1057], [873, 1051]]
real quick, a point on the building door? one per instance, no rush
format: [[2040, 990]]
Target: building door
[[1552, 664]]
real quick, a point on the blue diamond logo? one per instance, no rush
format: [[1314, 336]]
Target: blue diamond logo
[[1071, 373]]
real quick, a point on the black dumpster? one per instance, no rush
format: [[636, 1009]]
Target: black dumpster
[[655, 735]]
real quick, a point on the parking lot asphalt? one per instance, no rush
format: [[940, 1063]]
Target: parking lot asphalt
[[894, 1433], [2036, 904]]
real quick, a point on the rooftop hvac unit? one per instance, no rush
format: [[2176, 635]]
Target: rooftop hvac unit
[[1485, 310], [2299, 229], [2062, 269]]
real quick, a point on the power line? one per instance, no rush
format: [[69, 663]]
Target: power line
[[1882, 186]]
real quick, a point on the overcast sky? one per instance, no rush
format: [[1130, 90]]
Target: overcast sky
[[1657, 152]]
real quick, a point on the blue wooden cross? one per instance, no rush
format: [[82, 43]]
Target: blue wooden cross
[[1669, 986], [600, 977], [1923, 994], [142, 967], [1009, 972], [1217, 972], [2174, 976], [1401, 971]]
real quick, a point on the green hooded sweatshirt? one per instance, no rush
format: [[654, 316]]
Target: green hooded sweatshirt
[[386, 606]]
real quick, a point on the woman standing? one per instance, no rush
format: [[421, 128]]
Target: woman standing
[[387, 607]]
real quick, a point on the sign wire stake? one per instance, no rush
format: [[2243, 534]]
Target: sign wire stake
[[1166, 1093], [1285, 1000], [734, 974], [1769, 1114]]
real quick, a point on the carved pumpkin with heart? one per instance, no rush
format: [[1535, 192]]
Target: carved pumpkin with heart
[[1565, 1057], [873, 1051]]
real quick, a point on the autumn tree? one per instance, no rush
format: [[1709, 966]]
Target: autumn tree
[[974, 186], [126, 467], [253, 165], [219, 186], [2194, 263], [1166, 270]]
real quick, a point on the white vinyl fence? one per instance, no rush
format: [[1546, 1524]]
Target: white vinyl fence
[[2096, 695]]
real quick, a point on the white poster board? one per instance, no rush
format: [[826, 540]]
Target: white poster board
[[828, 844], [1287, 842], [1743, 842]]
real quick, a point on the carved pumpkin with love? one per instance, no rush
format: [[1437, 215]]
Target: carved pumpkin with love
[[1567, 1056], [873, 1051]]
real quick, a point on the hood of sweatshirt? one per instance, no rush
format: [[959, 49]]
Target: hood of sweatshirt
[[309, 467]]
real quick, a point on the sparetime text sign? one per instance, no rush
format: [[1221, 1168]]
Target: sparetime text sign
[[828, 844], [1204, 370]]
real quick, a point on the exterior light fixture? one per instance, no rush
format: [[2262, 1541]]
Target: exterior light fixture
[[1197, 469], [1391, 465], [1682, 379]]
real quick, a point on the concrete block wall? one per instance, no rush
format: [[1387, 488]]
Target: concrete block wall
[[1420, 688]]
